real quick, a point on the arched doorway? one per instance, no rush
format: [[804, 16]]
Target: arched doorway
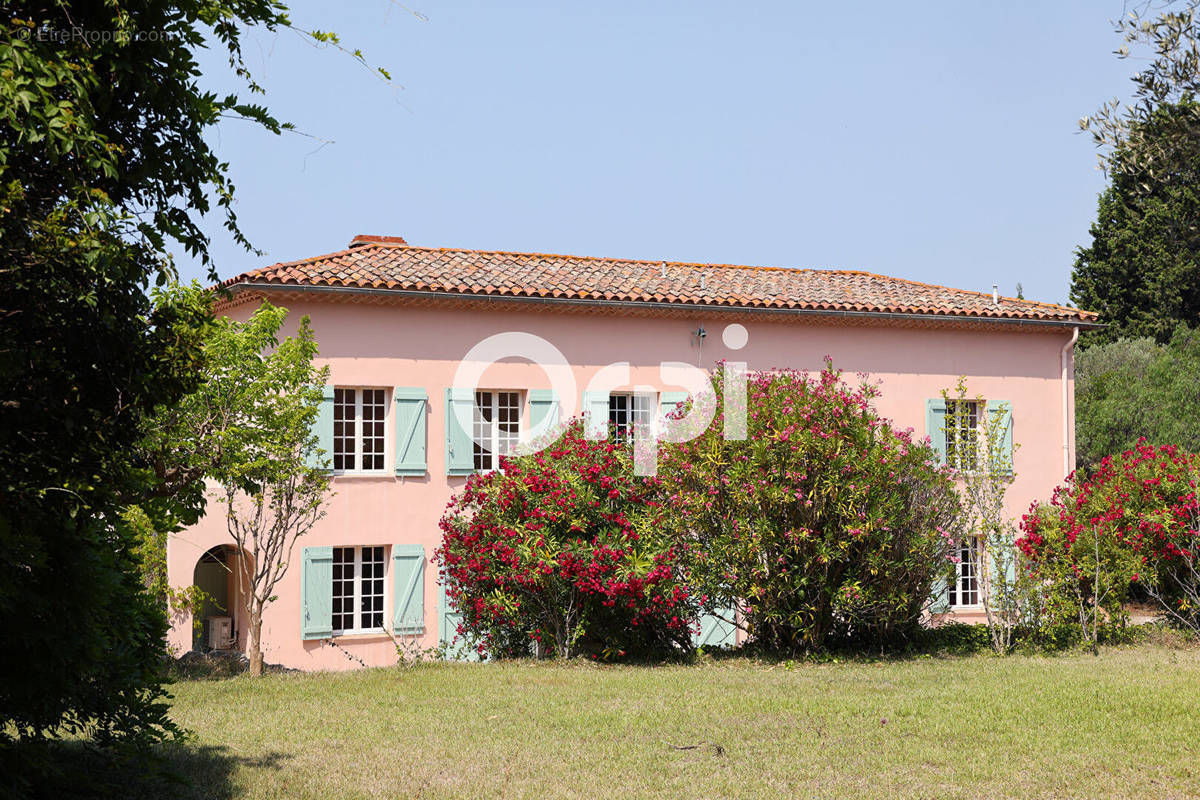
[[220, 614]]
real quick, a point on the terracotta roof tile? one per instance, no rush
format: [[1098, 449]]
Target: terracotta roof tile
[[374, 262]]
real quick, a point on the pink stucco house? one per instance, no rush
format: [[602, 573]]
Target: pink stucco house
[[395, 322]]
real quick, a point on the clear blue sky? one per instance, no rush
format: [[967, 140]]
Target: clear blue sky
[[933, 141]]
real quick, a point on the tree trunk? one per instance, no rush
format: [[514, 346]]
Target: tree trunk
[[254, 642]]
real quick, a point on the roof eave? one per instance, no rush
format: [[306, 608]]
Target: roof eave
[[648, 304]]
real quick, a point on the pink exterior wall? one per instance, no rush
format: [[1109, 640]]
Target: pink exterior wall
[[386, 346]]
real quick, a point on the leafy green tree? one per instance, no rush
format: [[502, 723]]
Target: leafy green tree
[[248, 429], [148, 543], [1142, 270], [256, 412], [1164, 36], [1133, 389], [104, 163], [82, 361]]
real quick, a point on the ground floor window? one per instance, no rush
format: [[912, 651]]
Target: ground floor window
[[358, 589], [964, 589]]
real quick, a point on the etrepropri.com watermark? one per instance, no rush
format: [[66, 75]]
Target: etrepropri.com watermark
[[96, 36]]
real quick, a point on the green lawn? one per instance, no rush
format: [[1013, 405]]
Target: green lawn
[[1124, 724]]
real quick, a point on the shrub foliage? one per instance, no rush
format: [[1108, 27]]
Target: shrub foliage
[[559, 553], [1133, 522], [824, 521], [1134, 388], [106, 166], [1141, 271]]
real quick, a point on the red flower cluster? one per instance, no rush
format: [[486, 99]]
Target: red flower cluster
[[560, 548], [1133, 522], [1144, 500]]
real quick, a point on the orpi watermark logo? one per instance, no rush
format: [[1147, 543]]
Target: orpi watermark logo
[[664, 425]]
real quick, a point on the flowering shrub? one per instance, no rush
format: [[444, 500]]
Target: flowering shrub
[[1133, 522], [823, 522], [559, 553]]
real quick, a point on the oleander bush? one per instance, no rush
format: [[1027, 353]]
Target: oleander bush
[[825, 523], [1133, 523], [561, 553]]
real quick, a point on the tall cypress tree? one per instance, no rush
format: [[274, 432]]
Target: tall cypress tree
[[1142, 270]]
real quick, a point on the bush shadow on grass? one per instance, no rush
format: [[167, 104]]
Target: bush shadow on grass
[[946, 641], [963, 640], [950, 640], [77, 770], [216, 666]]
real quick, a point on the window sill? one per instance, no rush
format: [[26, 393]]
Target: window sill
[[360, 636], [379, 474], [1005, 474]]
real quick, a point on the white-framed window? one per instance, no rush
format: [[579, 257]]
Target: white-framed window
[[964, 590], [358, 589], [496, 427], [627, 412], [358, 420], [964, 433]]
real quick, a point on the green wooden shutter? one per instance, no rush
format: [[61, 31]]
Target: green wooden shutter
[[939, 597], [460, 450], [408, 589], [595, 412], [316, 593], [1000, 415], [1010, 568], [669, 401], [715, 631], [543, 405], [454, 647], [935, 426], [323, 427], [410, 430]]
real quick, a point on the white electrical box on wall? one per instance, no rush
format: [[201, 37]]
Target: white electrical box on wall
[[220, 633]]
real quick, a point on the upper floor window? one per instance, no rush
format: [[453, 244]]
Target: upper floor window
[[496, 427], [358, 417], [627, 412], [358, 589], [964, 589], [963, 432]]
